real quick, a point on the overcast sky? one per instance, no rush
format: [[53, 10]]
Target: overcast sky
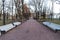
[[56, 7]]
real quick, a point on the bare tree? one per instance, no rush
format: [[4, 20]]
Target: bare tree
[[0, 14], [36, 4], [18, 8]]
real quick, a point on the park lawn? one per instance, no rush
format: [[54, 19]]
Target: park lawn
[[57, 21], [6, 21], [1, 23]]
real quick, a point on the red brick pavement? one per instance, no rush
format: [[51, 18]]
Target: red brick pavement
[[31, 30]]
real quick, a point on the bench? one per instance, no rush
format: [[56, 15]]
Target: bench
[[6, 28], [16, 23], [53, 26]]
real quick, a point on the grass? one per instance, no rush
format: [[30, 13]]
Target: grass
[[1, 23], [57, 21], [6, 22]]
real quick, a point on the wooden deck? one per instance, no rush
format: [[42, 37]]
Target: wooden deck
[[31, 30]]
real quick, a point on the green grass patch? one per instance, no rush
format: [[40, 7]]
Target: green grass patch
[[6, 22], [57, 21]]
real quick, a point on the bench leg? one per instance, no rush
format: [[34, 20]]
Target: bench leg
[[16, 26], [3, 32], [0, 33], [55, 31]]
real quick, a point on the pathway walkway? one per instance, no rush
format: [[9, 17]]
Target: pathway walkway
[[31, 30]]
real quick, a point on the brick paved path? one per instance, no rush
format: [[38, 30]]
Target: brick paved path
[[31, 30]]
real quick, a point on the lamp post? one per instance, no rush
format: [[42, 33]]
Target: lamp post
[[22, 5], [22, 9], [52, 9], [12, 11], [3, 13], [16, 8]]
